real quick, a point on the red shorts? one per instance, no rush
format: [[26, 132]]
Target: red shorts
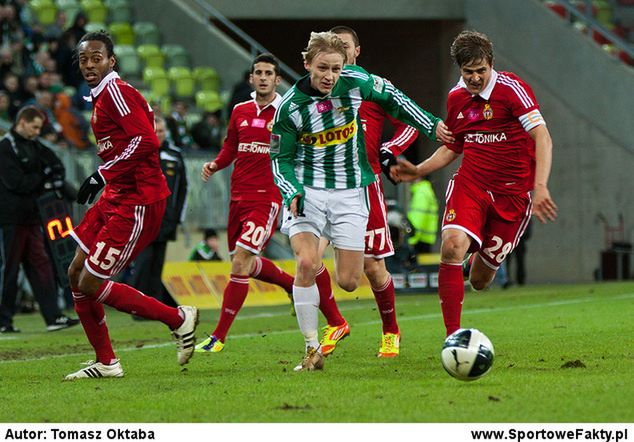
[[251, 224], [112, 235], [378, 242], [494, 221]]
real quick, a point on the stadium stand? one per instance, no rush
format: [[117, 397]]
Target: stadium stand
[[182, 82], [129, 61], [151, 55], [122, 33], [95, 10], [147, 33]]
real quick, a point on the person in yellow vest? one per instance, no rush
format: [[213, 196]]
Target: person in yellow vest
[[423, 216]]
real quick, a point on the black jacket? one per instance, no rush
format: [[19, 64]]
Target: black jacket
[[25, 165], [173, 167]]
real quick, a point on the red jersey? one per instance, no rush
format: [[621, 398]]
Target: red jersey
[[248, 142], [491, 128], [123, 124], [372, 116]]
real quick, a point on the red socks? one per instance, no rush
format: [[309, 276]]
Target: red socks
[[451, 292], [93, 319], [266, 271], [127, 299], [327, 303], [232, 299], [384, 297]]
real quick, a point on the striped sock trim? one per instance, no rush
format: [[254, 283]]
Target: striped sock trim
[[384, 286]]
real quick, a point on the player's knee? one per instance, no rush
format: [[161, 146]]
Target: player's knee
[[349, 282], [242, 264], [480, 281], [349, 286], [306, 268], [452, 251], [377, 275], [88, 284]]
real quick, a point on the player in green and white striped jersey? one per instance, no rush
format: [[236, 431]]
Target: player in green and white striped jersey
[[319, 163]]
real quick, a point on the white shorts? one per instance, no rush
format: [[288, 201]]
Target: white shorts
[[340, 215]]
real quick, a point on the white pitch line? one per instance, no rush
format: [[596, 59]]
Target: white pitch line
[[356, 324]]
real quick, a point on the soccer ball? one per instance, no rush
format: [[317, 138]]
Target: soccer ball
[[467, 354]]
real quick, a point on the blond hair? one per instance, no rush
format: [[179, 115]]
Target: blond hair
[[327, 42]]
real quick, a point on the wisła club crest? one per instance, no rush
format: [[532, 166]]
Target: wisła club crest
[[487, 112]]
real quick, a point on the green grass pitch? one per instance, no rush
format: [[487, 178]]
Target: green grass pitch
[[537, 332]]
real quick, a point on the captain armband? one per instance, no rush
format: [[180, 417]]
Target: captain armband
[[532, 119]]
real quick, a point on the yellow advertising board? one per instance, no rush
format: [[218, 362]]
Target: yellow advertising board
[[201, 284]]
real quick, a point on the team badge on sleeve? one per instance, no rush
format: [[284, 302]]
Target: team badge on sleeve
[[275, 143], [379, 84]]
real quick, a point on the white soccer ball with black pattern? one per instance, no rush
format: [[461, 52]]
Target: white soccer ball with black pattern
[[467, 354]]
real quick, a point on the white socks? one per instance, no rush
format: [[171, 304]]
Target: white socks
[[306, 300]]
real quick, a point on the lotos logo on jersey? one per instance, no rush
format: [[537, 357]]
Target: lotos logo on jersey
[[330, 137], [451, 215], [104, 144], [479, 138], [254, 147]]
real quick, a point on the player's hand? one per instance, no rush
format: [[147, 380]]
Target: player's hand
[[443, 134], [404, 171], [297, 205], [544, 208], [90, 188], [387, 160], [208, 170]]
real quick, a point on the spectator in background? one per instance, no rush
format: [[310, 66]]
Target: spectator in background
[[207, 133], [207, 249], [45, 101], [78, 28], [11, 85], [4, 106], [177, 124], [6, 61], [56, 29], [62, 53], [423, 216], [27, 169], [28, 89], [148, 266], [241, 92], [73, 126]]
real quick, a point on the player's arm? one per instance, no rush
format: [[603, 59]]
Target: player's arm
[[127, 108], [228, 151], [406, 171], [544, 208], [283, 154], [128, 111], [403, 108], [404, 136]]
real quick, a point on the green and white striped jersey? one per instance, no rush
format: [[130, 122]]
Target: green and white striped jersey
[[318, 141]]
